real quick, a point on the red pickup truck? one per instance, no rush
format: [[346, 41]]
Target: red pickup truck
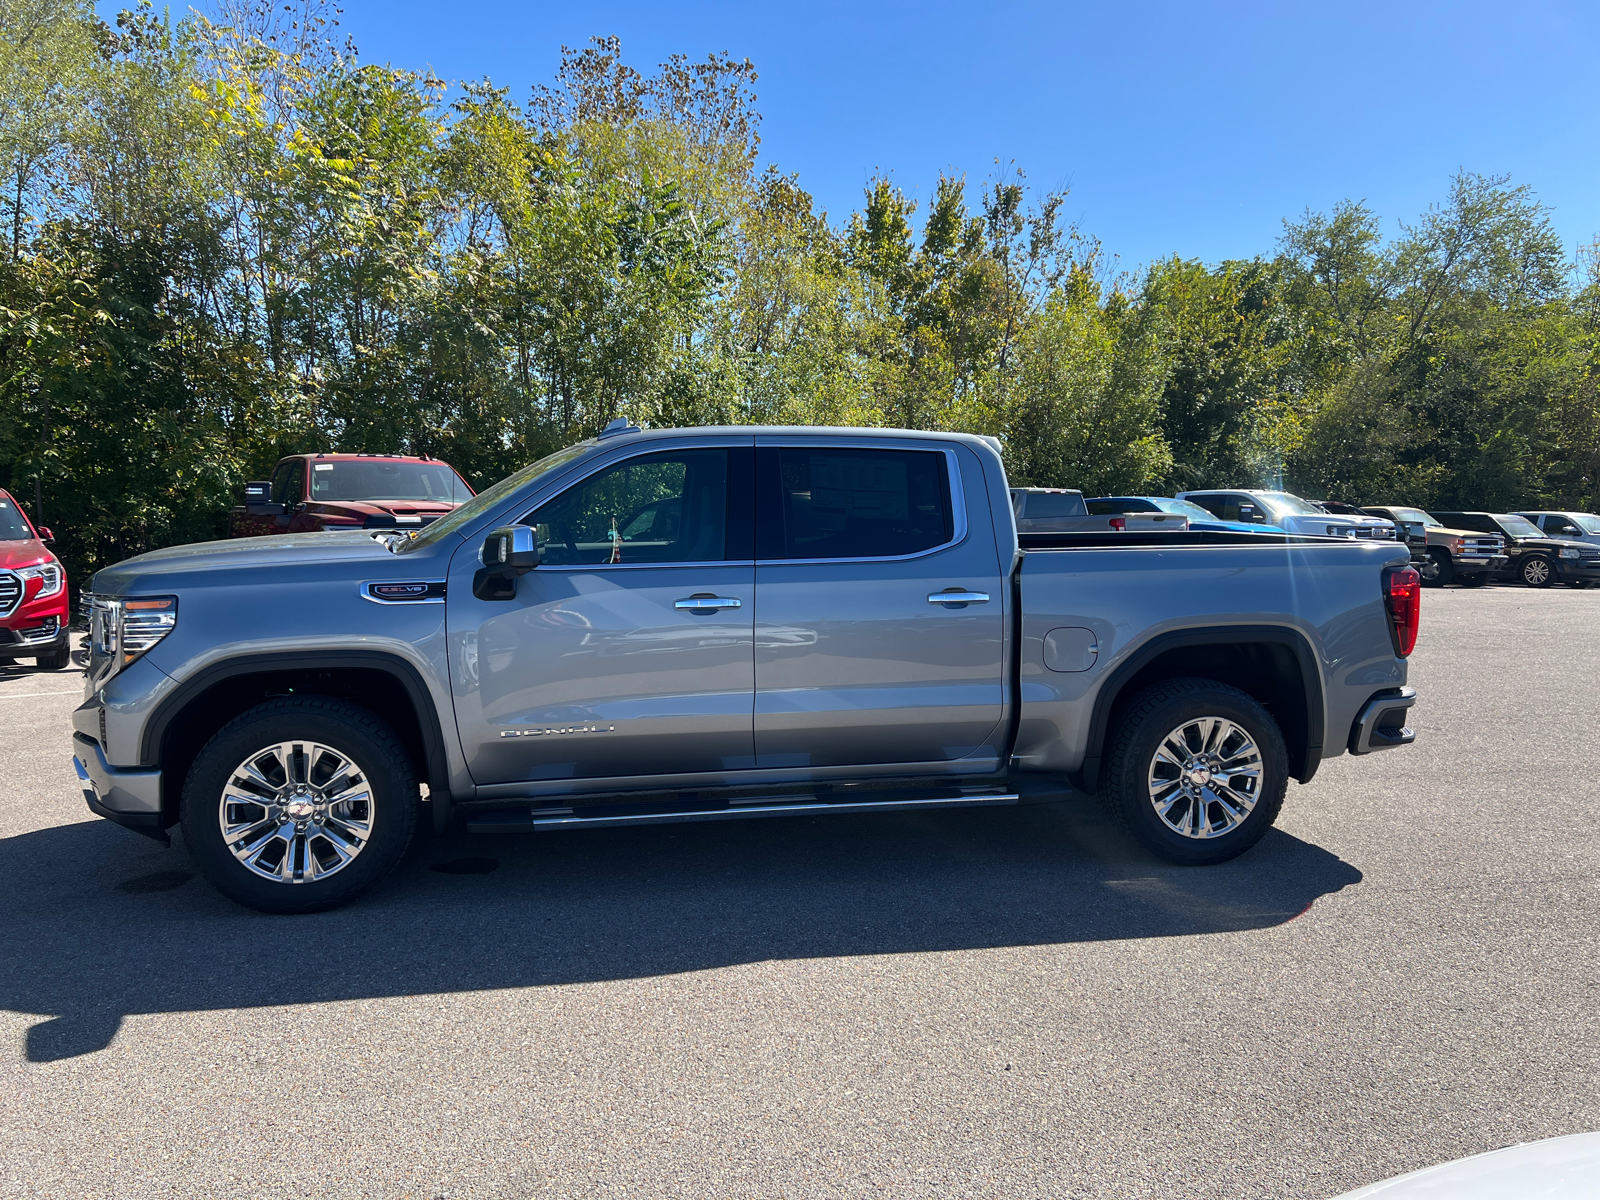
[[312, 492], [33, 592]]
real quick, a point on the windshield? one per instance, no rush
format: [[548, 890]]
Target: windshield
[[1183, 508], [489, 497], [1587, 523], [1415, 516], [1517, 526], [374, 479], [1283, 502], [13, 526]]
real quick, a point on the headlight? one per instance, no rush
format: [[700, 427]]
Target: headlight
[[122, 628], [1569, 554], [51, 574]]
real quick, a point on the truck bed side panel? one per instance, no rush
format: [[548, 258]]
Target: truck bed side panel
[[1328, 592]]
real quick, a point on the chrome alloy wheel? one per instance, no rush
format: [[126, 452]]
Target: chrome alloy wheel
[[296, 812], [1536, 571], [1205, 777]]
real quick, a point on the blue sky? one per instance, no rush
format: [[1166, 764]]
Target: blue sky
[[1187, 127]]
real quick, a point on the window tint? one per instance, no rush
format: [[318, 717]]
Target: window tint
[[374, 479], [294, 489], [656, 508], [280, 483], [1476, 523], [1042, 506], [1561, 527], [1231, 506], [1110, 508], [837, 502], [12, 526]]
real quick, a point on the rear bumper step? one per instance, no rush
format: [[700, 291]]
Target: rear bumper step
[[529, 819]]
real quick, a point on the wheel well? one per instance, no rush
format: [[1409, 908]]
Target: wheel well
[[1269, 671], [190, 727]]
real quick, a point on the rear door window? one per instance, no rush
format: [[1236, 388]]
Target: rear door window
[[827, 502]]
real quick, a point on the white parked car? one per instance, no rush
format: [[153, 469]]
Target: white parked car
[[1563, 1168], [1572, 526], [1288, 512]]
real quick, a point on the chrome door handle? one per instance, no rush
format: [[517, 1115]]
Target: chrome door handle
[[706, 603], [958, 598]]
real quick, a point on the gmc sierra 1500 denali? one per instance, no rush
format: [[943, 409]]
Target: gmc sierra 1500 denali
[[685, 625]]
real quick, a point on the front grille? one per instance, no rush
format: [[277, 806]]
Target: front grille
[[1486, 545], [10, 593]]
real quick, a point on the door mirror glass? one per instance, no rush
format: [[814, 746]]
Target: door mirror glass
[[508, 552]]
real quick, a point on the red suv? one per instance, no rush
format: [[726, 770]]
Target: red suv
[[312, 492], [33, 592]]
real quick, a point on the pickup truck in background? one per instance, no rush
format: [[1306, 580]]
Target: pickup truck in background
[[724, 624], [1064, 510], [1531, 557], [1199, 518], [1288, 512], [1443, 555], [312, 492]]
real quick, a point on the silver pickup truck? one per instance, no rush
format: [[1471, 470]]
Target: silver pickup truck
[[687, 625]]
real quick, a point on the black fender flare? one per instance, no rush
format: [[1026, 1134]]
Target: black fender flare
[[434, 755], [1087, 777]]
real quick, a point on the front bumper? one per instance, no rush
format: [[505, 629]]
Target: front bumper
[[1471, 564], [36, 627], [129, 796], [1381, 723], [1567, 568]]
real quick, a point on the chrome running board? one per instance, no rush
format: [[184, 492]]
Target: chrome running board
[[529, 819]]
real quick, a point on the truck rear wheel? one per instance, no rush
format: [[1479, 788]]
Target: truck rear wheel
[[1196, 770], [299, 805]]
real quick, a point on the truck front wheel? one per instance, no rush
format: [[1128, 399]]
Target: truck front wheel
[[1196, 771], [1443, 568], [299, 805]]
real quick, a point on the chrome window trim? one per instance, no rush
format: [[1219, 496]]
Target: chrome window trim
[[958, 514], [958, 507]]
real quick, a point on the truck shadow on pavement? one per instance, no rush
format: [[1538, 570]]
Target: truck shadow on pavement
[[102, 923]]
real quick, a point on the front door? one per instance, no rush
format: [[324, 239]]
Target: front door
[[857, 661], [627, 651]]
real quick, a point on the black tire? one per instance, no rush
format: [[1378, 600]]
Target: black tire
[[382, 773], [1444, 570], [56, 660], [1478, 580], [1536, 570], [1141, 727]]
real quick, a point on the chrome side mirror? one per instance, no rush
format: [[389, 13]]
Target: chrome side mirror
[[508, 552]]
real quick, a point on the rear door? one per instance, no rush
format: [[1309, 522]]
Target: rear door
[[858, 659], [627, 651]]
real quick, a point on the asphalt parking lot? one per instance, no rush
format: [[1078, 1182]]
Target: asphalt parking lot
[[1011, 1003]]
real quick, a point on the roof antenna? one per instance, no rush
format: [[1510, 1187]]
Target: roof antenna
[[618, 425]]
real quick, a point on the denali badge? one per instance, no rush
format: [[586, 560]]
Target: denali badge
[[553, 729]]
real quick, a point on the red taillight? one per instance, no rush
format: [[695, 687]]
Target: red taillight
[[1120, 524], [1403, 597]]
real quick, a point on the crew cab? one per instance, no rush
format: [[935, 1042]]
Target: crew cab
[[312, 492], [1064, 510], [1531, 557], [1443, 555], [1288, 512], [33, 592], [809, 621], [1197, 517]]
